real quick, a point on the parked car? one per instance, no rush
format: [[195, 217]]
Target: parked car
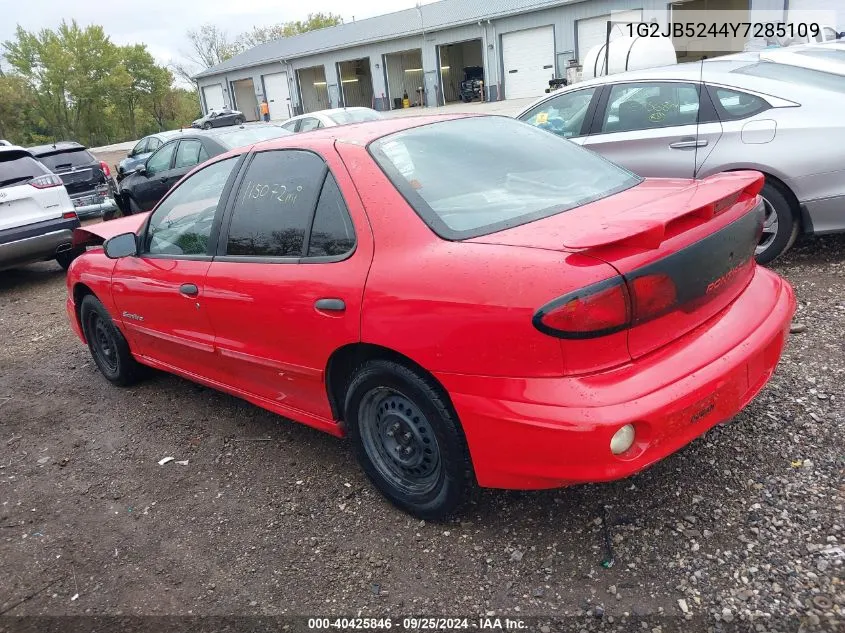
[[142, 189], [138, 155], [330, 118], [37, 217], [694, 120], [540, 318], [220, 118], [87, 180]]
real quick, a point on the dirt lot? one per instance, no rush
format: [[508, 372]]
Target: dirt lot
[[269, 517]]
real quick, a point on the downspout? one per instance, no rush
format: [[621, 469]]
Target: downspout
[[498, 73]]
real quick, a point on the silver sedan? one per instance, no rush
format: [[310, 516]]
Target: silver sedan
[[693, 120]]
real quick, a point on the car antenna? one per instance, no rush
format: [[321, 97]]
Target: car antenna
[[701, 95]]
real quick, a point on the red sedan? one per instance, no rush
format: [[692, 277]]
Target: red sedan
[[469, 299]]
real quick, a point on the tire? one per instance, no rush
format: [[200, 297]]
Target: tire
[[391, 409], [781, 224], [206, 126], [108, 347], [239, 121], [65, 258]]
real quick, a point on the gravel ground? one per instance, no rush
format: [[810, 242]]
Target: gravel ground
[[269, 517]]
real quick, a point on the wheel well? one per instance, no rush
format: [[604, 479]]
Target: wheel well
[[80, 291], [345, 360]]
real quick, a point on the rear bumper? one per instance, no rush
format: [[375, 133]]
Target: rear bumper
[[95, 208], [36, 242], [527, 433]]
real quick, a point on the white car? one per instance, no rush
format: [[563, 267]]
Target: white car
[[330, 118], [37, 218]]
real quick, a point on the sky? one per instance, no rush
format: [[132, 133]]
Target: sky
[[161, 24]]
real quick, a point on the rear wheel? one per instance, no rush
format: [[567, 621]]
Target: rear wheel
[[780, 227], [107, 345], [239, 120], [408, 440]]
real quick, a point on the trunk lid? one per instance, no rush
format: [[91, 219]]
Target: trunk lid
[[685, 248]]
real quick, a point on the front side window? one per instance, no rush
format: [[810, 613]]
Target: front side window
[[274, 203], [564, 114], [290, 126], [181, 225], [306, 125], [188, 154], [737, 105], [332, 234], [160, 161], [474, 176], [644, 106]]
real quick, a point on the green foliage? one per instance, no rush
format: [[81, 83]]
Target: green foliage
[[74, 83], [260, 34]]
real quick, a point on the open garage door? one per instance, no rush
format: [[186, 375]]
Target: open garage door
[[404, 76], [356, 83], [592, 32], [245, 99], [529, 61], [213, 96], [312, 88], [456, 61], [277, 93]]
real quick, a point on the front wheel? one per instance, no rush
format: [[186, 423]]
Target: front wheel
[[206, 126], [408, 440], [107, 345], [65, 258], [780, 226]]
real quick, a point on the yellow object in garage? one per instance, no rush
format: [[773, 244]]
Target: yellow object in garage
[[406, 103]]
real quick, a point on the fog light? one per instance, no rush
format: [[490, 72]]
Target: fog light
[[622, 439]]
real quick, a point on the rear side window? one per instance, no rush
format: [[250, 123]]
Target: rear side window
[[160, 161], [189, 154], [306, 125], [17, 168], [274, 204], [332, 234], [734, 105], [67, 160]]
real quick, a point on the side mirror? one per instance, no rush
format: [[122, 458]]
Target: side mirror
[[123, 245], [142, 169]]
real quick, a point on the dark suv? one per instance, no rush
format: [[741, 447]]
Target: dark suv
[[87, 180]]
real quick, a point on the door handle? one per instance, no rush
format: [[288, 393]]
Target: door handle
[[189, 290], [330, 305], [689, 143]]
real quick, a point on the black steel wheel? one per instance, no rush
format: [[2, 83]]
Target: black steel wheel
[[108, 347], [408, 440]]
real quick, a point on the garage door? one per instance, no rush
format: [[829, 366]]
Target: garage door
[[277, 94], [213, 97], [529, 61], [593, 31]]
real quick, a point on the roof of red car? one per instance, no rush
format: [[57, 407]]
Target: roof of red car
[[358, 133]]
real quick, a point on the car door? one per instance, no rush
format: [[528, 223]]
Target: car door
[[160, 293], [286, 288], [567, 114], [148, 188], [653, 128]]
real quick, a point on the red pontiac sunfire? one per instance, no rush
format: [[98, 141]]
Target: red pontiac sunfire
[[468, 298]]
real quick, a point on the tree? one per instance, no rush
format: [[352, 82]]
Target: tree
[[133, 81], [16, 117], [209, 46], [261, 34]]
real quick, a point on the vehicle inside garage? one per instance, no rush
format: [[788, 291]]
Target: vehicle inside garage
[[245, 99], [405, 76], [313, 89], [460, 62], [356, 83]]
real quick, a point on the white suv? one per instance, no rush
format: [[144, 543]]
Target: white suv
[[36, 215]]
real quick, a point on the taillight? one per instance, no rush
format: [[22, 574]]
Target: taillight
[[653, 295], [105, 168], [596, 310], [46, 181], [69, 215]]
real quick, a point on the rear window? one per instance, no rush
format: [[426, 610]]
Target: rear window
[[354, 116], [474, 176], [17, 168], [67, 160], [249, 136], [795, 75]]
